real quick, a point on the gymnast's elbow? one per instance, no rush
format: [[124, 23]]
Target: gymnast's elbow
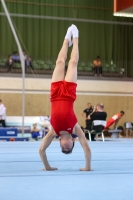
[[87, 149], [41, 150]]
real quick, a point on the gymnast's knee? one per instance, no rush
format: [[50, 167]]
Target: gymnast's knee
[[60, 62], [73, 62]]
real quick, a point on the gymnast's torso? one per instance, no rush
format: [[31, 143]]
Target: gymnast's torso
[[63, 95]]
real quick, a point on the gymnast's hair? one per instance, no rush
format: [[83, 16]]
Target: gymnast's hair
[[68, 152], [122, 112]]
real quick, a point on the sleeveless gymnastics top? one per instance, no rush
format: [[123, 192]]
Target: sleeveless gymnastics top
[[63, 95], [112, 120], [116, 116]]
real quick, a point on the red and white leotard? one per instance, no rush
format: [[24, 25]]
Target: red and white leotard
[[112, 120], [63, 95]]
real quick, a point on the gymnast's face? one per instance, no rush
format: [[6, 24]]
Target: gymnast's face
[[66, 144], [121, 115]]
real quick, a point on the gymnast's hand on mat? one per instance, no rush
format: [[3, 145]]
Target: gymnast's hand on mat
[[50, 169], [85, 169]]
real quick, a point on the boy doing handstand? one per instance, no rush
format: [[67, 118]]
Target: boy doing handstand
[[63, 94]]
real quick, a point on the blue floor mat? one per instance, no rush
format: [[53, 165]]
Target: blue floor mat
[[21, 177]]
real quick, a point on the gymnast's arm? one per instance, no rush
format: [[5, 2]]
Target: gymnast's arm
[[42, 151], [116, 122], [85, 146]]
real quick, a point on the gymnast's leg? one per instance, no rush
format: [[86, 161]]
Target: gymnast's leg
[[71, 75], [59, 71]]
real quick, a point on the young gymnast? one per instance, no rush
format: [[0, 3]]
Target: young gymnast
[[114, 120], [63, 94]]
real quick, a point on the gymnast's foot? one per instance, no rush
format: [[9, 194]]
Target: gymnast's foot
[[75, 32], [69, 35]]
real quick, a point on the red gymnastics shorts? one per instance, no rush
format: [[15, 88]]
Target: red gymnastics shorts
[[62, 90]]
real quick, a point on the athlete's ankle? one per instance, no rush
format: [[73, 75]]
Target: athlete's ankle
[[75, 32], [69, 35]]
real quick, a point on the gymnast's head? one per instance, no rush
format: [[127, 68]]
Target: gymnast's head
[[66, 142], [122, 113]]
